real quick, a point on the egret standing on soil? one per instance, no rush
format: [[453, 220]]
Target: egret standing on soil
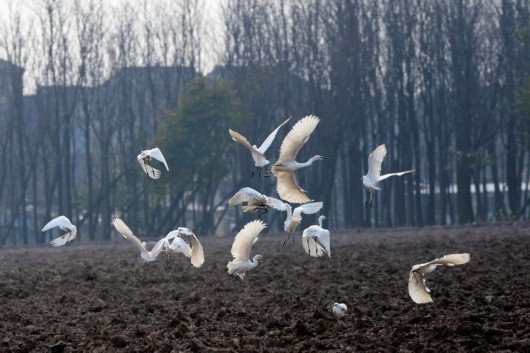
[[315, 239], [295, 218], [370, 180], [243, 242], [66, 226], [257, 153], [339, 310], [145, 158], [125, 231], [418, 290], [286, 183], [256, 201]]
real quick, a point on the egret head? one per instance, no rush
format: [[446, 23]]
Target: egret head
[[257, 258], [319, 157]]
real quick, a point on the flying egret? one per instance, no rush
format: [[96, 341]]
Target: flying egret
[[66, 226], [315, 239], [255, 201], [145, 157], [125, 231], [418, 290], [370, 180], [243, 242], [186, 242], [286, 183], [339, 310], [257, 153], [294, 218]]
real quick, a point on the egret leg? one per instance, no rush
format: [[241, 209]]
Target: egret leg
[[372, 198], [308, 248], [259, 172], [367, 198], [254, 172], [268, 173], [288, 236]]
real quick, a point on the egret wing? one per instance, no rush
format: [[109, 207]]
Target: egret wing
[[245, 195], [275, 203], [157, 154], [308, 208], [180, 244], [451, 260], [62, 240], [417, 289], [296, 138], [155, 251], [126, 232], [268, 141], [236, 136], [323, 242], [374, 162], [383, 177], [308, 241], [288, 188], [197, 252], [245, 239], [61, 221]]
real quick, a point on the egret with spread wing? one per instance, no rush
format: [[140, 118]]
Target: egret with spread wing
[[145, 158], [370, 180], [66, 226], [257, 153], [294, 218], [315, 239], [256, 201], [125, 231], [186, 242], [286, 183], [243, 242], [418, 290]]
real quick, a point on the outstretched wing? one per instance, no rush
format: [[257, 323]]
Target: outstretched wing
[[62, 240], [374, 162], [157, 154], [308, 208], [245, 239], [383, 177], [155, 251], [451, 260], [245, 195], [268, 141], [275, 203], [126, 232], [197, 252], [61, 221], [181, 245], [153, 173], [296, 138], [418, 290], [236, 136], [288, 188]]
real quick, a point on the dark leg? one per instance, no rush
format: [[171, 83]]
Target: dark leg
[[268, 173], [259, 172], [372, 198], [254, 171], [308, 248], [367, 198], [288, 236]]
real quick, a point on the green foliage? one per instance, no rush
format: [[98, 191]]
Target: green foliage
[[194, 137]]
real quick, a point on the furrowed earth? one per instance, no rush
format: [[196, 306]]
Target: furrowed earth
[[99, 297]]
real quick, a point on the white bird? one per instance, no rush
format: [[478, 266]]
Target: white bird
[[339, 310], [286, 183], [243, 242], [255, 201], [186, 242], [370, 180], [125, 231], [66, 226], [257, 153], [418, 290], [315, 239], [294, 218], [145, 157]]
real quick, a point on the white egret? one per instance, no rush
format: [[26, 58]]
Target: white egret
[[66, 226], [257, 153], [370, 180], [145, 157], [294, 218], [286, 183], [255, 201], [418, 290], [186, 242], [315, 239], [243, 242], [339, 310], [125, 231]]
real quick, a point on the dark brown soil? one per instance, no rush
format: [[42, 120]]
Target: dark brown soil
[[100, 298]]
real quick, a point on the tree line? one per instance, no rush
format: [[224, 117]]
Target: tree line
[[443, 83]]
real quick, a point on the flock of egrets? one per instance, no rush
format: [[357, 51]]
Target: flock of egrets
[[315, 239]]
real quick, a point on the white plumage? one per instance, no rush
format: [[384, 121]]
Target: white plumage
[[339, 310], [186, 242], [145, 157], [241, 247], [294, 218], [370, 180], [65, 225], [257, 153], [418, 290], [255, 201], [286, 183], [316, 240], [126, 232]]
